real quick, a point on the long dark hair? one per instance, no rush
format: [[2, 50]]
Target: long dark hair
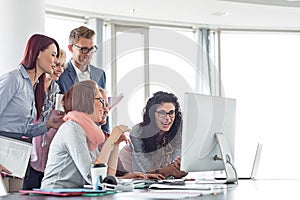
[[150, 139], [34, 46]]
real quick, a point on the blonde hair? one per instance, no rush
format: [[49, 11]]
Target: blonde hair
[[62, 54]]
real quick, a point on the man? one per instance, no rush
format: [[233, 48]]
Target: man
[[82, 47]]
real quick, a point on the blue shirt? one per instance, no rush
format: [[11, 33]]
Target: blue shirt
[[17, 103], [40, 128]]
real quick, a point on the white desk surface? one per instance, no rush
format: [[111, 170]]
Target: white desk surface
[[246, 189]]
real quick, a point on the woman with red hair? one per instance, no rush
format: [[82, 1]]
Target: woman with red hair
[[22, 91]]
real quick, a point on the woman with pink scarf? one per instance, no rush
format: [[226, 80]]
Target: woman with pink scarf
[[74, 148]]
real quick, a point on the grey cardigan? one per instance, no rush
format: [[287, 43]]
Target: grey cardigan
[[69, 159]]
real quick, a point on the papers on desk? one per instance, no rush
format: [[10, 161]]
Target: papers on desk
[[180, 184], [188, 187], [176, 189], [162, 194], [14, 155]]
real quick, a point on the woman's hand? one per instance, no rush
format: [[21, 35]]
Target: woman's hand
[[172, 169], [176, 162], [3, 169], [136, 175], [56, 121], [122, 138], [141, 175], [155, 176], [117, 134]]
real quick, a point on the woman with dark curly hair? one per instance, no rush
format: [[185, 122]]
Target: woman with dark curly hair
[[156, 142]]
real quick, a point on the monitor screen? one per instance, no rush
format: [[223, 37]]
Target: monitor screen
[[203, 117]]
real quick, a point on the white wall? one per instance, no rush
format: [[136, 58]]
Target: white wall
[[19, 20]]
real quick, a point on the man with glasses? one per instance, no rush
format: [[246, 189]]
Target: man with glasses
[[82, 47]]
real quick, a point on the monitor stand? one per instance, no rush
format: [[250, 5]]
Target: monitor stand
[[231, 175]]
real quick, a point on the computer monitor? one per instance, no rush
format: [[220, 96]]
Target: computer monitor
[[208, 135]]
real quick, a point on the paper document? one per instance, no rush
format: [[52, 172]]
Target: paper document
[[114, 101], [14, 155], [180, 187], [165, 194], [187, 185]]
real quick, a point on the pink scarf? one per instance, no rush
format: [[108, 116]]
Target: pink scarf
[[93, 133]]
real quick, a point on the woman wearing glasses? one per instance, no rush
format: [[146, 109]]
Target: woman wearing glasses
[[156, 142], [121, 172], [75, 146]]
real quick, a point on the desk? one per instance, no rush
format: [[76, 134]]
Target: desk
[[246, 189]]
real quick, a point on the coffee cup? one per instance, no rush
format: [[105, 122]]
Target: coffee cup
[[98, 173]]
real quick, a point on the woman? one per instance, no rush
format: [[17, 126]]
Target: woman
[[19, 88], [41, 143], [121, 172], [156, 142], [75, 146]]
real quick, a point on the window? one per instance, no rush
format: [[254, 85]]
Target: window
[[59, 28], [149, 60], [261, 70], [172, 59], [130, 73]]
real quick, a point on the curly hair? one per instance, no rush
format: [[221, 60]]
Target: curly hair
[[151, 143]]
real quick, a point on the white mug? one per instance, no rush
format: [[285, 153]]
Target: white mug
[[98, 173], [58, 104]]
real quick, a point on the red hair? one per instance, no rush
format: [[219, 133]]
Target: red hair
[[34, 46]]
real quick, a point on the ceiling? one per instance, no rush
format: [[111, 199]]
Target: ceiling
[[231, 14]]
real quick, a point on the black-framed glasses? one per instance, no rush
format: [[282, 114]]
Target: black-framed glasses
[[163, 114], [101, 101], [86, 50]]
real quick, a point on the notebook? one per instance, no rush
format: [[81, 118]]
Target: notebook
[[14, 155], [255, 163]]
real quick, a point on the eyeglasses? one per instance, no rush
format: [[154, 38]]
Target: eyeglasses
[[101, 101], [86, 50], [163, 114]]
